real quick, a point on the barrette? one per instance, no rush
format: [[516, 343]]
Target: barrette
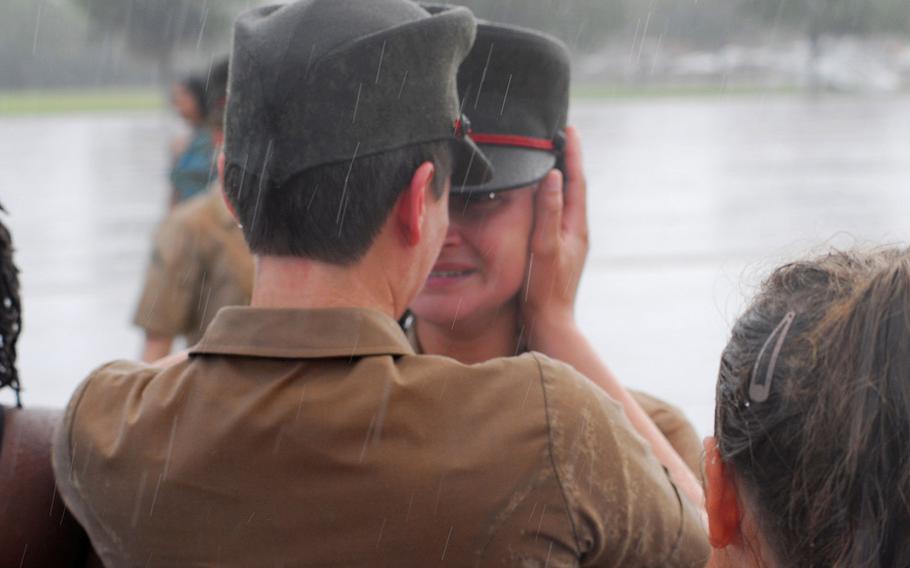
[[760, 389]]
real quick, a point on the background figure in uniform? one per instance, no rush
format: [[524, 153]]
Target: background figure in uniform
[[35, 528], [478, 302], [810, 464], [200, 261], [303, 430], [193, 162]]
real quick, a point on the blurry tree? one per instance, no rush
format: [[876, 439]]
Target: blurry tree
[[706, 24], [817, 18], [158, 29], [43, 44], [582, 24]]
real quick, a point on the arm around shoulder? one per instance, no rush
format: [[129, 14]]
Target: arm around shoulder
[[625, 508]]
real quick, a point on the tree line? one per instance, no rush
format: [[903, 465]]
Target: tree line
[[48, 43]]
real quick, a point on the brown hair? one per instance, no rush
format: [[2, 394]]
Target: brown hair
[[331, 213], [825, 460]]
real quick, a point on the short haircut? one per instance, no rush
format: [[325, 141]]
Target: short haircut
[[194, 83], [330, 213]]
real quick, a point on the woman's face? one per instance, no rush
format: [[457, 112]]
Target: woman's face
[[185, 104], [484, 257]]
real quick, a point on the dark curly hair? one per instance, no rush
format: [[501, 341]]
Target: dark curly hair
[[10, 313]]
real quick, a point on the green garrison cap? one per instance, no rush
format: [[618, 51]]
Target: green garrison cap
[[514, 88], [318, 82]]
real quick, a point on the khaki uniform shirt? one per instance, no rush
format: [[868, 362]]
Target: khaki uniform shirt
[[318, 437], [676, 428], [671, 421], [200, 263]]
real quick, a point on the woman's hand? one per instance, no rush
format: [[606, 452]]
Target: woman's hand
[[559, 246]]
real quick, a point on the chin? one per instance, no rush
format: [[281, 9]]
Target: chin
[[438, 309], [442, 309]]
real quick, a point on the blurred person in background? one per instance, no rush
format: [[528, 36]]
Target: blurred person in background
[[506, 279], [810, 464], [35, 528], [200, 261], [193, 157]]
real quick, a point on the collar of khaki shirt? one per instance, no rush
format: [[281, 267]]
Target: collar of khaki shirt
[[302, 333]]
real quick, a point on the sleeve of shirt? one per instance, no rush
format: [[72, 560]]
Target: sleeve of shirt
[[62, 459], [170, 294], [674, 425], [625, 510]]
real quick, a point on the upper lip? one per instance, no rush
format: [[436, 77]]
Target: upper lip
[[451, 267]]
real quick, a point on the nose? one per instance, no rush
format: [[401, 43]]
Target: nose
[[453, 235]]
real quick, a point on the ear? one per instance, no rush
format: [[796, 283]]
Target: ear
[[721, 499], [217, 137], [227, 202], [412, 204], [220, 162]]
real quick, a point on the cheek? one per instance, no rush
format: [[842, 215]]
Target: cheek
[[505, 256]]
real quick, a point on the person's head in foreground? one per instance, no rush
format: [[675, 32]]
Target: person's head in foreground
[[514, 87], [343, 155], [36, 529], [10, 313], [810, 463]]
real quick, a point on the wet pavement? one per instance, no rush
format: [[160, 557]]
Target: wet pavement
[[691, 202]]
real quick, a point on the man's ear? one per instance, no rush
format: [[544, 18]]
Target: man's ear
[[412, 204], [221, 167], [721, 499]]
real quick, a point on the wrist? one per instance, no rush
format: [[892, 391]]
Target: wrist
[[545, 329]]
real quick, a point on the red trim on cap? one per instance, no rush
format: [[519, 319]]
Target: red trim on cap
[[513, 140]]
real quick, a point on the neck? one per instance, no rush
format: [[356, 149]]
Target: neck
[[290, 282], [475, 339]]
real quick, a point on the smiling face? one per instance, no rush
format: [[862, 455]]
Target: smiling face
[[483, 260]]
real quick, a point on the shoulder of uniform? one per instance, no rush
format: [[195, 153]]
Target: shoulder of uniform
[[121, 369], [194, 213], [567, 387], [108, 384]]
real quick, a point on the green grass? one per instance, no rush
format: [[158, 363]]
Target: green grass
[[601, 91], [51, 102], [69, 101]]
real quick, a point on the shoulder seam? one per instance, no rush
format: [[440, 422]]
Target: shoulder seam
[[551, 445]]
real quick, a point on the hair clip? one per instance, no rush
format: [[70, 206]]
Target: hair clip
[[759, 390]]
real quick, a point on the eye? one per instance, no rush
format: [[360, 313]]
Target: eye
[[475, 204]]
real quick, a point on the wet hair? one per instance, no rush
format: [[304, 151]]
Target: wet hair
[[216, 94], [330, 213], [10, 313], [824, 461], [195, 85]]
